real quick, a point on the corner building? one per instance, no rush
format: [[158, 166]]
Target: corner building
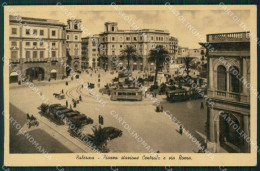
[[228, 119], [113, 41], [36, 46]]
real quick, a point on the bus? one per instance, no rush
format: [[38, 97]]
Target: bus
[[126, 94], [177, 95]]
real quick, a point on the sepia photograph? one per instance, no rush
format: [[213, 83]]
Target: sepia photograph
[[158, 85]]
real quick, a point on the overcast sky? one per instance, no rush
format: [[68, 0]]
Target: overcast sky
[[205, 21]]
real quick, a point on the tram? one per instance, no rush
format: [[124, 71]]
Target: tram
[[126, 94], [177, 95]]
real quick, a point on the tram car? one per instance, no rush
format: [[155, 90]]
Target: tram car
[[126, 94], [177, 95]]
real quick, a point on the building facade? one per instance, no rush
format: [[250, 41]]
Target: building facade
[[73, 43], [228, 74], [173, 50], [113, 41], [36, 46], [90, 51]]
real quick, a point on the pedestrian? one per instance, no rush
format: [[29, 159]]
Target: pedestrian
[[201, 105], [180, 130], [74, 104], [70, 106], [81, 85], [67, 103], [80, 97], [62, 91], [161, 108], [155, 95], [157, 109], [101, 120], [66, 83]]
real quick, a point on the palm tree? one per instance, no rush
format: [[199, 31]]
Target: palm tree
[[98, 138], [159, 55], [188, 64], [129, 53], [104, 60]]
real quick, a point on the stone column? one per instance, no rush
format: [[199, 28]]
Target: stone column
[[247, 132], [210, 73], [244, 89]]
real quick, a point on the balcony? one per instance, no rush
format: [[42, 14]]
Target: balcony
[[229, 53], [228, 96], [228, 37], [31, 60]]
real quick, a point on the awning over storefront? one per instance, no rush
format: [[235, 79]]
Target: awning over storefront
[[135, 63], [14, 74], [152, 63], [53, 71]]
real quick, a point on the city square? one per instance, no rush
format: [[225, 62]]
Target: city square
[[120, 90]]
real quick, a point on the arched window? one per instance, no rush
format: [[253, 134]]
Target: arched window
[[234, 81], [221, 78]]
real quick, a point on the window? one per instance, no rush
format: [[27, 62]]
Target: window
[[27, 54], [141, 38], [113, 52], [53, 54], [76, 45], [41, 32], [94, 50], [53, 63], [121, 45], [76, 37], [113, 28], [76, 26], [34, 31], [41, 43], [34, 54], [152, 38], [14, 30], [234, 81], [221, 78], [14, 54], [113, 38], [34, 43], [14, 44], [135, 39], [27, 31], [113, 46], [53, 44], [53, 33], [41, 54], [128, 38], [68, 37]]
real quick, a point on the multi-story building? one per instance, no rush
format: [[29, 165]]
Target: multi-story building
[[228, 75], [183, 52], [73, 43], [36, 46], [173, 50], [113, 41], [90, 50]]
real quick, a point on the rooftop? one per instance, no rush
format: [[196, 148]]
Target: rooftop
[[228, 37]]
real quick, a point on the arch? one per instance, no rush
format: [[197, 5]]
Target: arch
[[233, 79], [221, 78], [53, 71], [14, 74], [34, 73], [229, 138]]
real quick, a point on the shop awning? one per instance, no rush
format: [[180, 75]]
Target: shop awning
[[53, 71], [14, 74]]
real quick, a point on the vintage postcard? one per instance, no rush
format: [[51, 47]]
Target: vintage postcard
[[130, 85]]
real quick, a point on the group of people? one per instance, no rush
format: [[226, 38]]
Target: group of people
[[159, 109]]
